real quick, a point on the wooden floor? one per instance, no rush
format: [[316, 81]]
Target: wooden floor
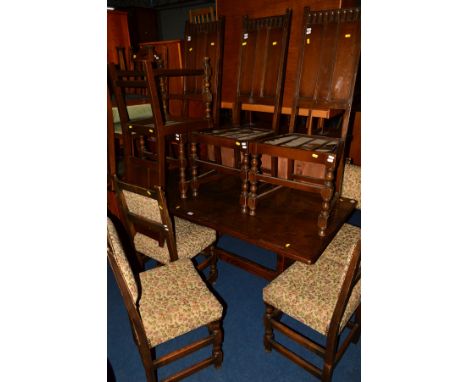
[[285, 223]]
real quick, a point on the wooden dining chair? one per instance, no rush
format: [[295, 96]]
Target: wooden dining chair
[[260, 82], [351, 187], [325, 296], [145, 136], [164, 303], [326, 74], [159, 236], [203, 42]]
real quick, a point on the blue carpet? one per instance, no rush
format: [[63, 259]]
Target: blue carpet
[[244, 356]]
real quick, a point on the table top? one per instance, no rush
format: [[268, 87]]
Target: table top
[[285, 221]]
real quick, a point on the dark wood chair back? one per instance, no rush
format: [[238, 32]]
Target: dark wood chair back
[[156, 223], [262, 64], [143, 136], [202, 15], [130, 289], [328, 62], [204, 40]]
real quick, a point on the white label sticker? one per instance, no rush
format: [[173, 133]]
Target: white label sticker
[[309, 30], [246, 36], [189, 38], [330, 159]]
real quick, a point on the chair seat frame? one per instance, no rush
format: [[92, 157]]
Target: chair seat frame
[[331, 352], [147, 353]]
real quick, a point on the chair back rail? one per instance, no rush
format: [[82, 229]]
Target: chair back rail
[[328, 62], [202, 15], [204, 40], [161, 231]]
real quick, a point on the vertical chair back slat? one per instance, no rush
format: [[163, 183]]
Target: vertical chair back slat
[[262, 64]]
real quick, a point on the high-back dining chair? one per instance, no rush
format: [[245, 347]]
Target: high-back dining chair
[[325, 296], [351, 187], [164, 303], [204, 40], [203, 43], [145, 138], [157, 236], [260, 82], [326, 74]]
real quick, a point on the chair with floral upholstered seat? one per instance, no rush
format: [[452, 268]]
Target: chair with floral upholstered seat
[[351, 187], [155, 235], [325, 296], [164, 303]]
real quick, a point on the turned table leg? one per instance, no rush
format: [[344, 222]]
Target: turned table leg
[[193, 157], [182, 167], [244, 173], [326, 194], [252, 197]]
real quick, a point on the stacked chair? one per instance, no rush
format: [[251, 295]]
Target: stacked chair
[[144, 134], [326, 74], [203, 43], [164, 303], [260, 81]]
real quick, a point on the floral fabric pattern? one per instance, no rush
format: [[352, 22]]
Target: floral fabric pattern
[[191, 239], [309, 293], [175, 301], [143, 206], [342, 246], [352, 183], [121, 260]]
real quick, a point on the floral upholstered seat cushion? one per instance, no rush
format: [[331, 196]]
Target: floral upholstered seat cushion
[[143, 206], [175, 301], [342, 246], [121, 260], [352, 183], [191, 239], [309, 294]]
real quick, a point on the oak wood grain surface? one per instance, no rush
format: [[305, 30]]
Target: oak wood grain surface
[[286, 222]]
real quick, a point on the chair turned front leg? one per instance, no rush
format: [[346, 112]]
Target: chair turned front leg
[[357, 335], [269, 336], [193, 157], [326, 194], [244, 173], [215, 329], [213, 276], [252, 200], [182, 168], [327, 372]]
